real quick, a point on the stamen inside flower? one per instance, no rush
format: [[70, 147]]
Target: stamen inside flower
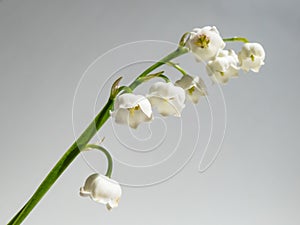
[[252, 57], [191, 90], [202, 41], [133, 109]]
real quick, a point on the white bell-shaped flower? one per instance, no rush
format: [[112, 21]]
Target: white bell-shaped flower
[[194, 87], [205, 43], [167, 98], [102, 189], [223, 67], [132, 110], [251, 57]]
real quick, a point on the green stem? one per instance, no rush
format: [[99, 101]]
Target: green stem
[[125, 89], [178, 52], [81, 143], [141, 80], [177, 67], [241, 39], [165, 78], [108, 156]]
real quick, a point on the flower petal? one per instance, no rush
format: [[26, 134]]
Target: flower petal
[[186, 82], [121, 116], [138, 117], [146, 107], [164, 106]]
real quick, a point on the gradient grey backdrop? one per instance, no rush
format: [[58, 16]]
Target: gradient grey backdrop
[[45, 46]]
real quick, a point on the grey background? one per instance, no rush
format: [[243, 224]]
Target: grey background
[[46, 46]]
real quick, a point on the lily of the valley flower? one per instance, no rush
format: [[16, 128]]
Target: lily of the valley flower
[[194, 87], [251, 57], [223, 67], [205, 43], [167, 98], [102, 189], [132, 110]]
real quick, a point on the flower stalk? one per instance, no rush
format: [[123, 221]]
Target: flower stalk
[[106, 153], [241, 39], [177, 67], [207, 45]]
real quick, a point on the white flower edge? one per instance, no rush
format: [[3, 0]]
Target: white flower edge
[[102, 189], [131, 109], [167, 98]]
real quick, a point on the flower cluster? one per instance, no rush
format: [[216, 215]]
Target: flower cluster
[[207, 45], [167, 98]]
